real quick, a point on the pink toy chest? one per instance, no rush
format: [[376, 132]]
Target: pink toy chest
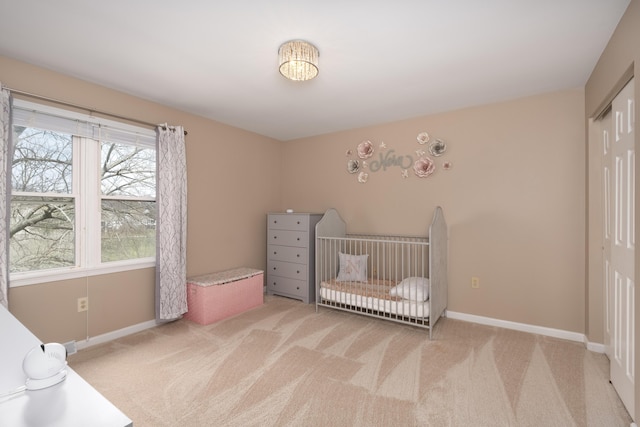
[[215, 296]]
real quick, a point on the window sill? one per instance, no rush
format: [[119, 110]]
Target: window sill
[[45, 276]]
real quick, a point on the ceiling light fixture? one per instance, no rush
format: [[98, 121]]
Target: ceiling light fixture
[[298, 60]]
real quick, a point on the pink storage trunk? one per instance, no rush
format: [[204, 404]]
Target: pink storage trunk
[[216, 296]]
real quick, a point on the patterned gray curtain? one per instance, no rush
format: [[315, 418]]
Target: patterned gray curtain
[[171, 251], [4, 195]]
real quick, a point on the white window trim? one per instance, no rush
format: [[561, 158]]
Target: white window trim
[[46, 276], [88, 260], [150, 135], [89, 224]]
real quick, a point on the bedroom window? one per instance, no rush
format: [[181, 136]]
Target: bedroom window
[[128, 190], [83, 195]]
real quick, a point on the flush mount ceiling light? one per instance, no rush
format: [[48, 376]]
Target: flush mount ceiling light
[[298, 60]]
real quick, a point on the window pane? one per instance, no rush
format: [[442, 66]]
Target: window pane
[[42, 233], [128, 170], [42, 161], [128, 230]]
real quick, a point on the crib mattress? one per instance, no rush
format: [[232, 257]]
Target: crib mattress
[[373, 295]]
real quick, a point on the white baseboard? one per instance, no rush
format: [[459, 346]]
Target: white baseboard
[[109, 336], [523, 327], [593, 346]]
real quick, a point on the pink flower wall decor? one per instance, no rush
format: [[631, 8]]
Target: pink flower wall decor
[[365, 149], [370, 157], [423, 138], [423, 167]]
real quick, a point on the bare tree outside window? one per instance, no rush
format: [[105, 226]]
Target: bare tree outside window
[[43, 231], [128, 220], [42, 234], [42, 228]]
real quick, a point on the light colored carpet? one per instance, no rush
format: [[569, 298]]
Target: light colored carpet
[[283, 364]]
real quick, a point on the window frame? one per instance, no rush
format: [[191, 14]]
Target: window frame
[[86, 174]]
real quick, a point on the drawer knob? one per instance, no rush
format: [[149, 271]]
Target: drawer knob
[[298, 239], [297, 271], [275, 253], [274, 268], [298, 287], [298, 255], [298, 222], [275, 237]]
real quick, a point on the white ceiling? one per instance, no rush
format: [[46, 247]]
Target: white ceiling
[[380, 60]]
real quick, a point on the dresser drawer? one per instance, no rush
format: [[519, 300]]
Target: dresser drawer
[[287, 253], [288, 222], [288, 238], [287, 269], [287, 286]]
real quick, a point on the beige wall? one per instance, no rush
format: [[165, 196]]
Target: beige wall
[[619, 61], [234, 179], [514, 198], [117, 301], [514, 201]]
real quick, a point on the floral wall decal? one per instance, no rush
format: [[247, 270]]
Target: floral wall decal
[[366, 159], [365, 149], [423, 167], [437, 147], [423, 138], [353, 166]]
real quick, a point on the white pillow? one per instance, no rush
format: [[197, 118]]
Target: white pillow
[[412, 288], [353, 268]]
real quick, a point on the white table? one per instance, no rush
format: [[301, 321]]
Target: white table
[[73, 402]]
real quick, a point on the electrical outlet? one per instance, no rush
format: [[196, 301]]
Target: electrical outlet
[[475, 282], [83, 304]]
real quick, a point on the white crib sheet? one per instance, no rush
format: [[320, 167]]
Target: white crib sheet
[[393, 306]]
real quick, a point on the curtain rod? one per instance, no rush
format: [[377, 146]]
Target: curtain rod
[[90, 110]]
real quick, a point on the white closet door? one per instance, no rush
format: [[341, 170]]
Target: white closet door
[[622, 240], [607, 161]]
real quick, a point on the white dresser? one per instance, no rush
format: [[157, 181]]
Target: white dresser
[[291, 255]]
